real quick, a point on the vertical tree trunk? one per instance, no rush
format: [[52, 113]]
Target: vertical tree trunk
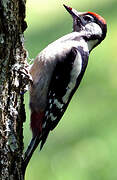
[[13, 78]]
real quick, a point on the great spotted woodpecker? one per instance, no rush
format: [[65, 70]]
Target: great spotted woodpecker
[[57, 72]]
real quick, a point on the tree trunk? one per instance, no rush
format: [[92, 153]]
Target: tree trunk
[[13, 79]]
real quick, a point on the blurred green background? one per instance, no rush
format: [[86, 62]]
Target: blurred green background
[[84, 144]]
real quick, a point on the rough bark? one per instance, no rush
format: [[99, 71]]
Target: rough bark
[[13, 79]]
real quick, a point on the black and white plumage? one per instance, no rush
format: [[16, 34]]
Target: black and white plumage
[[57, 72]]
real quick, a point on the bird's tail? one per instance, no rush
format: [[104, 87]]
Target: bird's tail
[[43, 140], [29, 152], [32, 147]]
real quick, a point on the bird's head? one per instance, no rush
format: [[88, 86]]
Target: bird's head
[[92, 26]]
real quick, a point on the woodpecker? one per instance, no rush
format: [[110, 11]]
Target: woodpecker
[[57, 72]]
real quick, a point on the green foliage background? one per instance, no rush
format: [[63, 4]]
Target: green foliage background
[[84, 144]]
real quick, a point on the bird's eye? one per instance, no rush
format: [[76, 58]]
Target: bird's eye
[[88, 18]]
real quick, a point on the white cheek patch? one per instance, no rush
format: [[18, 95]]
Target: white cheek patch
[[93, 28]]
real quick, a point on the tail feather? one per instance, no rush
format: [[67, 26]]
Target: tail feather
[[30, 150], [43, 140], [32, 147]]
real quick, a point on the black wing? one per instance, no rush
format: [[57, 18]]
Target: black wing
[[58, 87]]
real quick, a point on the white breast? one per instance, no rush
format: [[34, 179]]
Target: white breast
[[77, 66]]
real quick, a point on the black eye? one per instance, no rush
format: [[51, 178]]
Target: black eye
[[88, 18]]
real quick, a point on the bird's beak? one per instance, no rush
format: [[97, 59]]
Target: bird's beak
[[72, 11], [77, 18]]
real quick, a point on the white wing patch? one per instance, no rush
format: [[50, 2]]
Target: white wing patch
[[52, 117], [77, 66], [58, 104], [49, 114]]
